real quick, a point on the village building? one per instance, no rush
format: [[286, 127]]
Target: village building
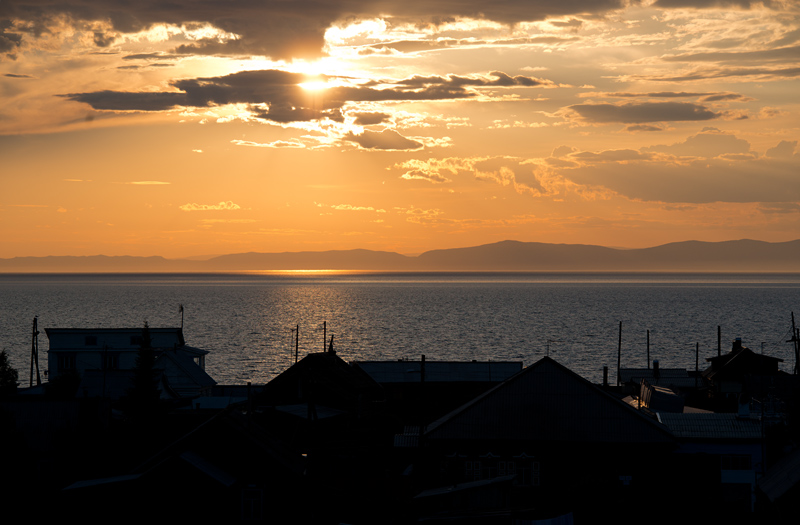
[[725, 449], [569, 444], [104, 360]]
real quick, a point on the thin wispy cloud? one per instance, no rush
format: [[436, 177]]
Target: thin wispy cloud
[[222, 206]]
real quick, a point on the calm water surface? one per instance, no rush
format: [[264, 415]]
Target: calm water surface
[[245, 320]]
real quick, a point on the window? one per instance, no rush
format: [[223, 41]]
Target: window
[[506, 468], [110, 360], [66, 361], [472, 470], [529, 474]]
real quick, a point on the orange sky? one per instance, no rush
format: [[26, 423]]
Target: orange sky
[[211, 127]]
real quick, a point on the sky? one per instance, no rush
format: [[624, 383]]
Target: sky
[[200, 127]]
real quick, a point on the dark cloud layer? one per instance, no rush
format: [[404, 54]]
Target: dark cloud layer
[[708, 145], [286, 99], [123, 101], [705, 4], [279, 29], [758, 180], [643, 112], [367, 119], [788, 54]]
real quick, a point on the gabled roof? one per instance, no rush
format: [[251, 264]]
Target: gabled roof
[[439, 371], [739, 362], [547, 402], [322, 378]]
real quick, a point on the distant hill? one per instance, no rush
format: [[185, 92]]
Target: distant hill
[[728, 256], [694, 256]]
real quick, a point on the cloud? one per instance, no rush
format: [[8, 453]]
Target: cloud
[[784, 150], [127, 101], [779, 208], [146, 183], [643, 112], [643, 127], [618, 155], [430, 176], [706, 145], [151, 56], [10, 41], [280, 30], [348, 207], [456, 82], [222, 206], [275, 144], [431, 169], [278, 96], [228, 221], [383, 140], [12, 75], [759, 180], [706, 73], [706, 4], [717, 167], [369, 118], [783, 54]]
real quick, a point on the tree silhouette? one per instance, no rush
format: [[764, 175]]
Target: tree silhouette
[[8, 375], [143, 395]]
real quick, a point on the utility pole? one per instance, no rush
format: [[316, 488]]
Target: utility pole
[[35, 352], [696, 363], [796, 340], [296, 332], [619, 352]]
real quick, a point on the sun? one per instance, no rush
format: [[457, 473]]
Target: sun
[[314, 85]]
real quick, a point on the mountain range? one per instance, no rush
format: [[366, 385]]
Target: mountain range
[[506, 256]]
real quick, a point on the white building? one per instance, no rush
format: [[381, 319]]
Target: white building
[[105, 357]]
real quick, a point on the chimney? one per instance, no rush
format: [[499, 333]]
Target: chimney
[[737, 344], [656, 370]]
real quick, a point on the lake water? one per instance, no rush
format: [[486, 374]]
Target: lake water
[[245, 320]]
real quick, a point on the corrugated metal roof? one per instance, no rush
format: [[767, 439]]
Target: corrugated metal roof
[[440, 371], [711, 426], [548, 402]]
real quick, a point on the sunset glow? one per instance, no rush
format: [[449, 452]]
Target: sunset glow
[[211, 127]]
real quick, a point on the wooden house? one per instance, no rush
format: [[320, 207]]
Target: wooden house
[[728, 374], [569, 444]]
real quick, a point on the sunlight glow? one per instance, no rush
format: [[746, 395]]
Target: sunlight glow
[[314, 85], [365, 29]]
